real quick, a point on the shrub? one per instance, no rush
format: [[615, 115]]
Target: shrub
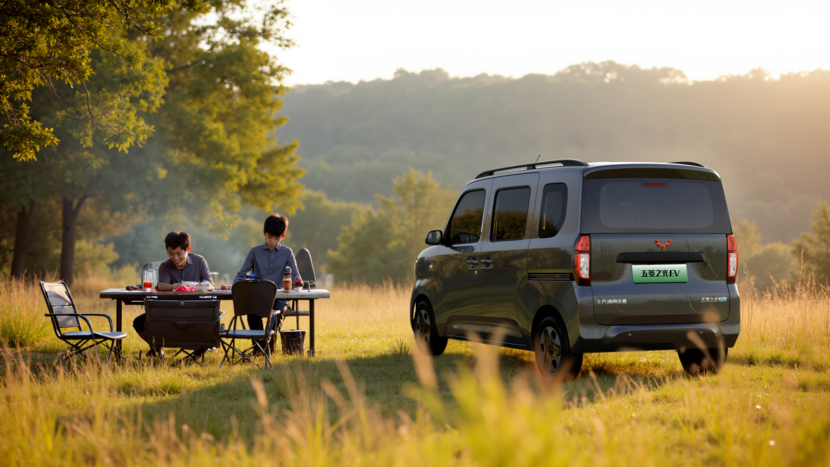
[[22, 307]]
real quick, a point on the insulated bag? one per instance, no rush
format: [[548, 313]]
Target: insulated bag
[[185, 324]]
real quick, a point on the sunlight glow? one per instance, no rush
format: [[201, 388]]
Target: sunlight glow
[[369, 39]]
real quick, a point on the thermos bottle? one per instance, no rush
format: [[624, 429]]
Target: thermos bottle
[[286, 279]]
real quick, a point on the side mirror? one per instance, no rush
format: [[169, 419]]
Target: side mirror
[[434, 237]]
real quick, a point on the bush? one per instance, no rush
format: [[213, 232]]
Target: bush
[[22, 307], [773, 263]]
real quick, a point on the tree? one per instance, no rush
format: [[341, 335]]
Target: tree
[[384, 244], [417, 205], [19, 196], [97, 131], [45, 43], [358, 136], [316, 226], [90, 126], [815, 248], [216, 128], [748, 238], [369, 253], [211, 150]]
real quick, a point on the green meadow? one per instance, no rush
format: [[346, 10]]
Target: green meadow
[[369, 399]]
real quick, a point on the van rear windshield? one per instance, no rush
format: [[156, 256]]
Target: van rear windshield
[[653, 205]]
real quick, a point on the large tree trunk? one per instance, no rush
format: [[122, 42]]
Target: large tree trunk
[[21, 241], [70, 224]]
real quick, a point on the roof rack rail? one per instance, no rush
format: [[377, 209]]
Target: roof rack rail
[[534, 165], [689, 163]]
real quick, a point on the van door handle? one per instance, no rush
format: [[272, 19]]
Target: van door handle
[[486, 262], [472, 263]]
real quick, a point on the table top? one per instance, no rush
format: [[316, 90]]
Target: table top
[[220, 294]]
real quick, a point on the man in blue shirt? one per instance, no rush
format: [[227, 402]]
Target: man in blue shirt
[[268, 261]]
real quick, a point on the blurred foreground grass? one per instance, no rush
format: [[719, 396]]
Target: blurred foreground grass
[[367, 398]]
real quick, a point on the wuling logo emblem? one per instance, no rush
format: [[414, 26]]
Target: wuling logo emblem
[[662, 246]]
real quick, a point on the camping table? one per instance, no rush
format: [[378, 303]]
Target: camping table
[[130, 297]]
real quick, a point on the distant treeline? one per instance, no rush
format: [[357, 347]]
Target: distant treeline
[[768, 138]]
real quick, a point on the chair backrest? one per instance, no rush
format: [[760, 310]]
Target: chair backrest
[[60, 302], [305, 266], [186, 324], [254, 297]]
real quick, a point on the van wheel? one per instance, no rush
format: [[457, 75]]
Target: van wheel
[[553, 351], [426, 331], [695, 361]]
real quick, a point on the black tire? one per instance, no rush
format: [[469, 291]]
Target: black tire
[[553, 350], [426, 331], [695, 361]]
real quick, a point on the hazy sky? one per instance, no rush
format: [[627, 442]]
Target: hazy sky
[[350, 40]]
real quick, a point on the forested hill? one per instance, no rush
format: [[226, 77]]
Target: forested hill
[[767, 138]]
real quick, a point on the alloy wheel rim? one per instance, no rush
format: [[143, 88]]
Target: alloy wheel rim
[[423, 326], [551, 349]]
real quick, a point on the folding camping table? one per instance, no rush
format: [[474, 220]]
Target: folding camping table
[[136, 297]]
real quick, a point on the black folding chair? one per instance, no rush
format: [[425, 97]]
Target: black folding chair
[[251, 297], [306, 269], [188, 325], [64, 315]]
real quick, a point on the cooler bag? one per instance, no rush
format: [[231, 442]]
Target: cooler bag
[[185, 324]]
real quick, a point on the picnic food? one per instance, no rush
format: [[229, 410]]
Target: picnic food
[[186, 288]]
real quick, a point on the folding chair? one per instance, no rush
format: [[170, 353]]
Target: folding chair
[[188, 325], [63, 314], [306, 269], [250, 297]]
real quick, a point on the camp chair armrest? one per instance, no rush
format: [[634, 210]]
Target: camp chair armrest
[[232, 324], [77, 315], [101, 314]]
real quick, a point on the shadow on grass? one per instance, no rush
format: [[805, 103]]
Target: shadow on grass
[[222, 401]]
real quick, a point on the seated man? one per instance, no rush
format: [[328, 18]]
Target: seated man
[[181, 266], [268, 261]]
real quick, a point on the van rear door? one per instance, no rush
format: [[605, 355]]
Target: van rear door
[[658, 243]]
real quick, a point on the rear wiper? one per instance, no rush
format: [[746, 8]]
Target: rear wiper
[[661, 258]]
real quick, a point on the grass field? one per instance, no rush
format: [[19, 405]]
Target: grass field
[[368, 399]]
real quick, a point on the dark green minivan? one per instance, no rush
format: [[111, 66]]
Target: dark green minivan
[[564, 258]]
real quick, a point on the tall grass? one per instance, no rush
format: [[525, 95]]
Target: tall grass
[[476, 405], [62, 417], [22, 310], [788, 324]]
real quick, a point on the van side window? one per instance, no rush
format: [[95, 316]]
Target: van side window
[[465, 225], [554, 203], [510, 214]]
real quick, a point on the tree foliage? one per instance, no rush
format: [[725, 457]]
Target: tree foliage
[[814, 248], [762, 265], [747, 236], [758, 132], [216, 129], [46, 43], [369, 252], [187, 135], [384, 244], [417, 205]]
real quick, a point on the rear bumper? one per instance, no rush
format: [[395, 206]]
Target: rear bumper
[[598, 338]]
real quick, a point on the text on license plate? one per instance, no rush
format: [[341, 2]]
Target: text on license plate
[[652, 273]]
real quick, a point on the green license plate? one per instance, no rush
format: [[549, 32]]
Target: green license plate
[[650, 274]]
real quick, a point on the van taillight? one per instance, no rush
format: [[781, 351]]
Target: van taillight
[[732, 263], [582, 260]]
